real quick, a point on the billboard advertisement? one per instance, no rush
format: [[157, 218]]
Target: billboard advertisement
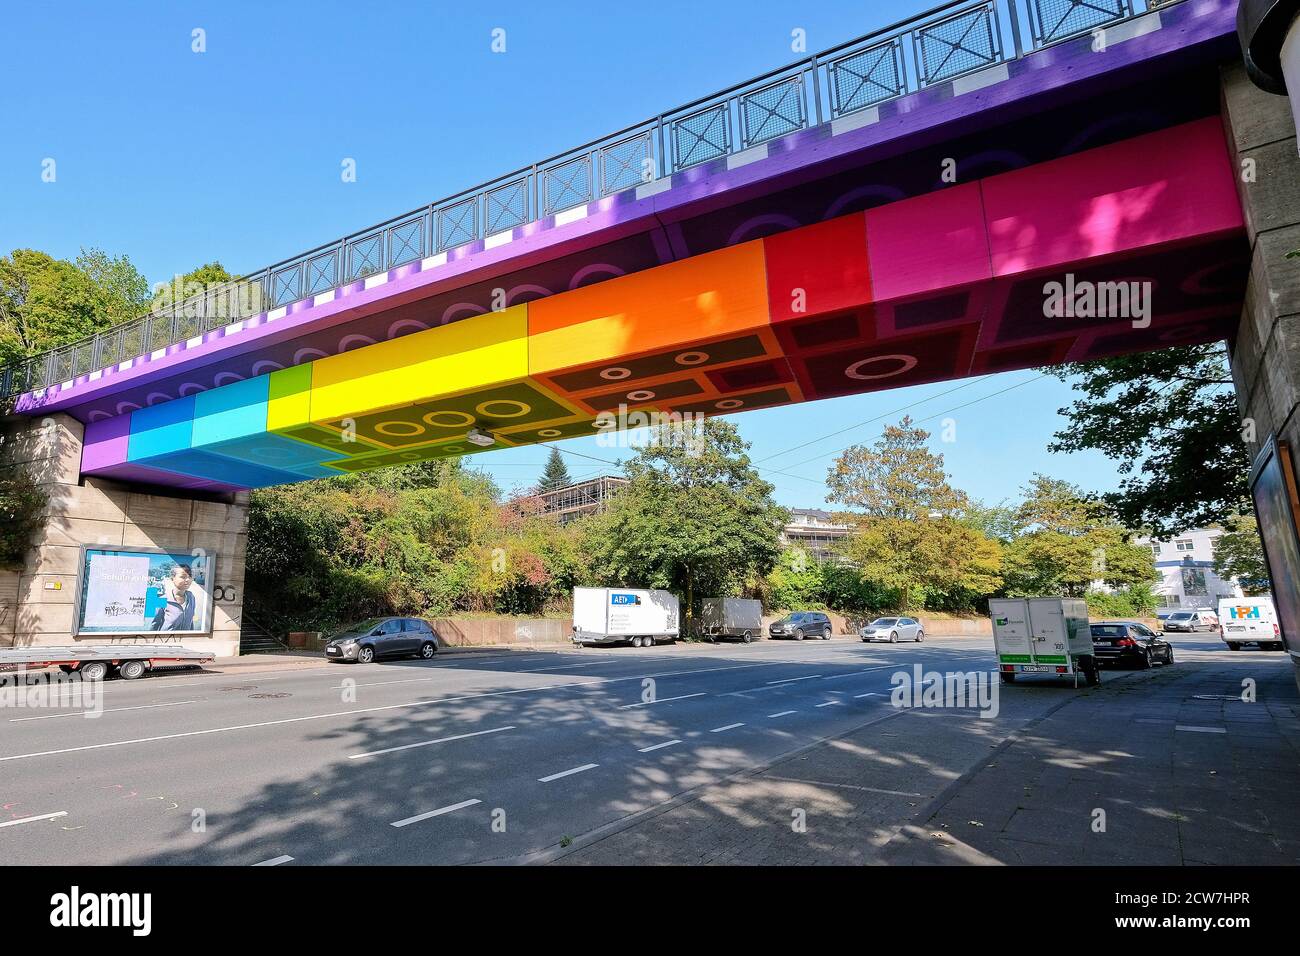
[[144, 591], [1277, 505]]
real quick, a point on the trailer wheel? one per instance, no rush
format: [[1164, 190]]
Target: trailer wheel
[[747, 637], [1008, 677], [130, 670], [93, 670], [1091, 675], [67, 668]]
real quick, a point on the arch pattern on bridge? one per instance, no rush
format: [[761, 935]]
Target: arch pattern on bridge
[[929, 288]]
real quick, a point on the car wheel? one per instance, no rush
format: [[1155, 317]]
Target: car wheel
[[95, 670], [798, 635], [893, 637], [920, 636], [826, 634], [428, 649], [130, 670], [365, 655], [1169, 655], [1146, 661]]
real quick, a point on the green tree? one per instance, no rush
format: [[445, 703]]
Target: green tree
[[1066, 542], [926, 562], [22, 508], [47, 302], [796, 582], [898, 477], [1170, 420], [192, 283], [556, 474], [1239, 554], [695, 517]]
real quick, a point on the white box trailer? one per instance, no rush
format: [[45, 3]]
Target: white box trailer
[[1249, 620], [740, 618], [1043, 636], [614, 615]]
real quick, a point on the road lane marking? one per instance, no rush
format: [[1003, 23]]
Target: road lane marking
[[666, 743], [830, 703], [791, 680], [871, 670], [106, 710], [568, 773], [434, 813], [426, 743], [275, 861], [783, 713], [661, 700], [718, 730], [43, 816], [1200, 730], [860, 696]]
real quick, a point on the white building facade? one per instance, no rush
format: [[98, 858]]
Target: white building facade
[[1185, 563]]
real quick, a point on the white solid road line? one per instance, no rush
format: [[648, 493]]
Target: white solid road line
[[1199, 730], [783, 713], [434, 813], [661, 700], [830, 703], [791, 680], [43, 816], [666, 743], [567, 773], [872, 694], [718, 730], [275, 861], [426, 743], [871, 670], [107, 710]]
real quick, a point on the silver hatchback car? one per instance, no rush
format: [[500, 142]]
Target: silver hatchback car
[[893, 630]]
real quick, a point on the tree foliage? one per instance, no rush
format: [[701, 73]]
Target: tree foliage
[[22, 507], [1170, 421], [1238, 553], [556, 473], [897, 478], [695, 517]]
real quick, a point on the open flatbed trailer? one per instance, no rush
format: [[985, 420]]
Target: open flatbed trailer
[[98, 661]]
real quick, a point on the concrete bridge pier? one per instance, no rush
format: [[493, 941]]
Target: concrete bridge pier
[[1266, 351], [38, 600]]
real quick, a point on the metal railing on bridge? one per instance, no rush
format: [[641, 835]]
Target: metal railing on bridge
[[937, 46]]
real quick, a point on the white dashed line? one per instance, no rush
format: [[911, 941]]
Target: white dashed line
[[666, 743], [108, 710], [718, 730], [1200, 730], [661, 700], [790, 680], [860, 696], [275, 861], [782, 713], [426, 743], [830, 703], [434, 813], [43, 816], [568, 773]]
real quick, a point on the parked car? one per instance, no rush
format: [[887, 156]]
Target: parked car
[[1201, 619], [379, 637], [1128, 642], [893, 630], [802, 624]]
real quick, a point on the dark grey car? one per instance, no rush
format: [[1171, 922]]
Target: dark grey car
[[381, 637], [802, 624]]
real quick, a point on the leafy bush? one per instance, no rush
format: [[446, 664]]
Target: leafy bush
[[22, 504]]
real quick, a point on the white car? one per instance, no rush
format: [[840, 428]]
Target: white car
[[893, 630]]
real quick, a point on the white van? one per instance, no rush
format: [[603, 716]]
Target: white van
[[1249, 620]]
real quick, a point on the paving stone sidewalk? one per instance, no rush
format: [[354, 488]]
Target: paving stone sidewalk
[[1185, 771]]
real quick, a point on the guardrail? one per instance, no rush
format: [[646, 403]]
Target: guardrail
[[943, 43]]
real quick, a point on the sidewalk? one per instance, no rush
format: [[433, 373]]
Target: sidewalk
[[1184, 770]]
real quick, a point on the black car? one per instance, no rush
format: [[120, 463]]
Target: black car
[[378, 637], [802, 624], [1128, 642]]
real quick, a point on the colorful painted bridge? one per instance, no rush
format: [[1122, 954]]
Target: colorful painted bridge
[[829, 261]]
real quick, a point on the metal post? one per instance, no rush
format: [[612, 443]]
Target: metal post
[[1015, 28], [817, 88]]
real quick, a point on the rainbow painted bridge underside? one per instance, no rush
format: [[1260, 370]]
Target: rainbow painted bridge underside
[[935, 287]]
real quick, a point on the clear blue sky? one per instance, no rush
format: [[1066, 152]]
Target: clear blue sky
[[176, 158]]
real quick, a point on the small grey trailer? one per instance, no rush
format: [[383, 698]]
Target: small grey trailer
[[98, 661], [738, 618]]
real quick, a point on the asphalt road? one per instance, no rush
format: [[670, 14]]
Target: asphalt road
[[468, 758]]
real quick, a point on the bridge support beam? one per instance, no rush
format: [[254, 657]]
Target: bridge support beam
[[1266, 352], [38, 600]]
